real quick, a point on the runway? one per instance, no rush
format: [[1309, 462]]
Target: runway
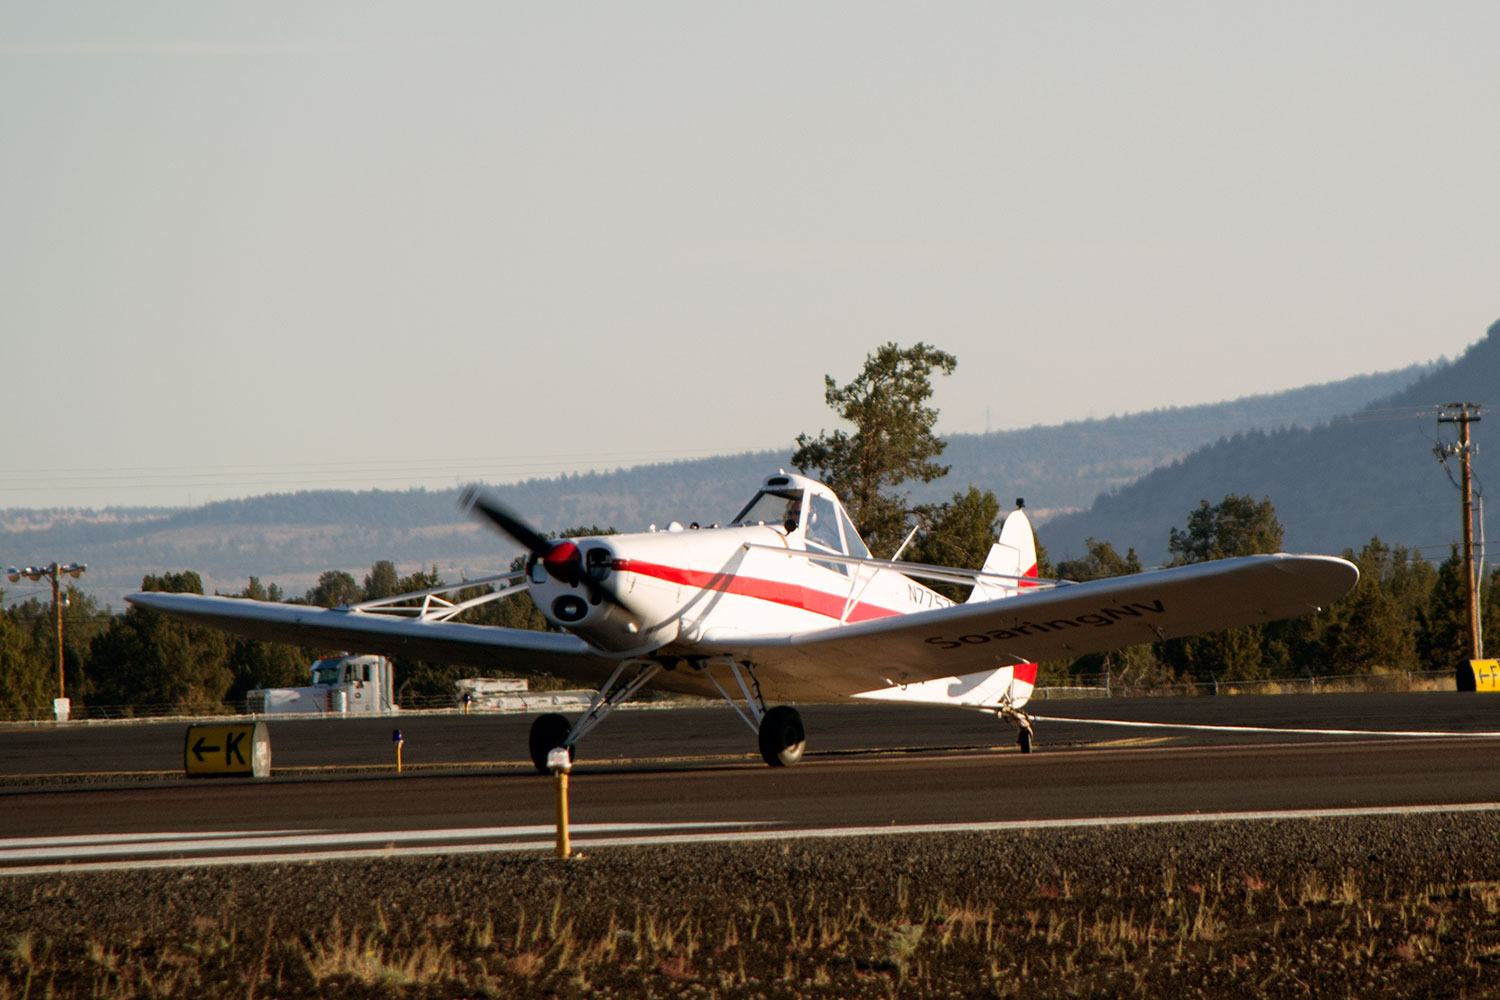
[[694, 774]]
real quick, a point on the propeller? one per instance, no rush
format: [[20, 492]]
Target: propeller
[[472, 498], [563, 558]]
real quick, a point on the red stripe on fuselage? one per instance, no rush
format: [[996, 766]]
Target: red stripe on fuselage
[[773, 591]]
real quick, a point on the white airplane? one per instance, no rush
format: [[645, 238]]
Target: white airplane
[[784, 604]]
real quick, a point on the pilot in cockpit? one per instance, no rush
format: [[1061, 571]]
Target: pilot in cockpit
[[793, 514]]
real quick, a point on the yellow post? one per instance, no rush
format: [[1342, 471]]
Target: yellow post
[[559, 762], [396, 739], [560, 782]]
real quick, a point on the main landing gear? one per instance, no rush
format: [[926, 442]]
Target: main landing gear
[[778, 730]]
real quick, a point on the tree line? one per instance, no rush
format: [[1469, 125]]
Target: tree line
[[1404, 614]]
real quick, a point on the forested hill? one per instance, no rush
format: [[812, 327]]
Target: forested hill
[[1334, 487], [290, 538]]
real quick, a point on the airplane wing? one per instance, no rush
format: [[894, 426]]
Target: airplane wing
[[509, 649], [834, 663], [1057, 623]]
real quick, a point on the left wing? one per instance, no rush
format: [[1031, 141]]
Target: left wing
[[510, 649], [1058, 623]]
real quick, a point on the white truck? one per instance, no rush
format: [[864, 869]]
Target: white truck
[[341, 685]]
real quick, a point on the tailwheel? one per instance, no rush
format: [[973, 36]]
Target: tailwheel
[[549, 732], [782, 738], [1022, 722]]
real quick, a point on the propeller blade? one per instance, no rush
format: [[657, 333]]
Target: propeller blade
[[506, 520], [562, 558]]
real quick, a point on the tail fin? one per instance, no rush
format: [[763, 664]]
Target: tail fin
[[1014, 554]]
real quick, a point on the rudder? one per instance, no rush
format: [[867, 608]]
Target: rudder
[[1013, 554]]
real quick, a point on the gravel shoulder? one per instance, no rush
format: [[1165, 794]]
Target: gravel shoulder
[[1350, 907]]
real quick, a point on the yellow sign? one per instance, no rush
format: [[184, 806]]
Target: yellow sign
[[1479, 675], [220, 751]]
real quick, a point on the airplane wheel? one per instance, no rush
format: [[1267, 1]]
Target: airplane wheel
[[782, 738], [1023, 739], [547, 733]]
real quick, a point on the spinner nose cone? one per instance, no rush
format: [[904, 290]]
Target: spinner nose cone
[[564, 562]]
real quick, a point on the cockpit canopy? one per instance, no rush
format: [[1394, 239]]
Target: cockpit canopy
[[801, 504]]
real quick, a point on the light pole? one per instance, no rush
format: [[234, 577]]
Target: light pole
[[52, 572]]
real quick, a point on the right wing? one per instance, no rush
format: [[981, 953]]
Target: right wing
[[509, 649], [1062, 622]]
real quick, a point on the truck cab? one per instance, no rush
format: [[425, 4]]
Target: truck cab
[[341, 685]]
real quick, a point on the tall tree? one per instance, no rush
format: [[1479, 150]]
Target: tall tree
[[1363, 631], [144, 658], [257, 664], [1102, 561], [1236, 526], [1443, 625], [1133, 669], [959, 533], [335, 589], [82, 621], [382, 581], [28, 681], [891, 443]]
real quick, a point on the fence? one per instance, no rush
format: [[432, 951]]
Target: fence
[[1081, 686], [142, 713], [1104, 686]]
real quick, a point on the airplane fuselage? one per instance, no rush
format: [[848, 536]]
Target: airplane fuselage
[[689, 590]]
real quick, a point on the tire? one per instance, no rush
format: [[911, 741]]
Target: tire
[[548, 732], [782, 738], [1023, 740]]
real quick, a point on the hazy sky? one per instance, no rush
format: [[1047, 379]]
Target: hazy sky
[[261, 247]]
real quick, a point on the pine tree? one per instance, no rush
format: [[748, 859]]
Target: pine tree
[[892, 440]]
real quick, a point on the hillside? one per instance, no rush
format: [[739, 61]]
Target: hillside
[[290, 538], [1334, 486]]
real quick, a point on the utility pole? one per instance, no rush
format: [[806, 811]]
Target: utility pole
[[1464, 414], [52, 572]]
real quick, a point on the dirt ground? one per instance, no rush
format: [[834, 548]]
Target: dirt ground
[[1377, 907]]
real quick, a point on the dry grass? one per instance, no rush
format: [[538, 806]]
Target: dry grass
[[1229, 931]]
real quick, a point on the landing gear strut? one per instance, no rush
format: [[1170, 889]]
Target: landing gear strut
[[551, 731], [778, 730]]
